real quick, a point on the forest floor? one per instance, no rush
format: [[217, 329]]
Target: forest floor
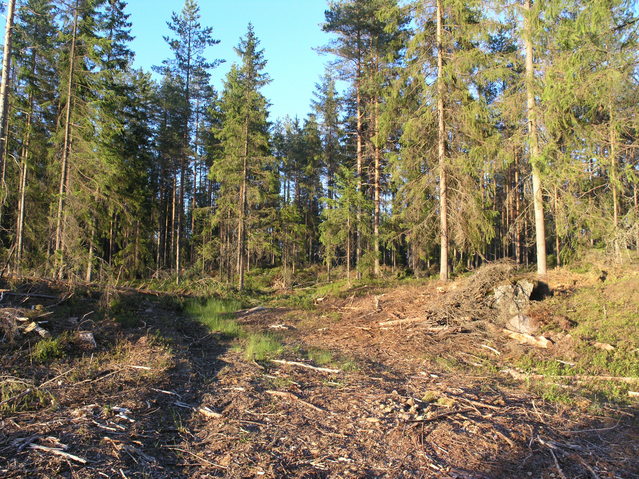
[[363, 381]]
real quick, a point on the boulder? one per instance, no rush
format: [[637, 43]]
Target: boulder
[[513, 298]]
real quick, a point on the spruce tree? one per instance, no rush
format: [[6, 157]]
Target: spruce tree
[[245, 170]]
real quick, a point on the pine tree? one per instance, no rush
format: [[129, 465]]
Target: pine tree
[[191, 67]]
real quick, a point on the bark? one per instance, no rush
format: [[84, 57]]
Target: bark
[[441, 151], [636, 198], [377, 192], [241, 235], [22, 192], [613, 182], [173, 216], [538, 204], [517, 213], [64, 164], [4, 82], [557, 239], [360, 162]]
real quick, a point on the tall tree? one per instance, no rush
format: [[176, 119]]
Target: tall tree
[[245, 169], [191, 67], [533, 140]]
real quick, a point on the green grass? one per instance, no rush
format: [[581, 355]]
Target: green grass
[[320, 357], [217, 315], [17, 396], [605, 313], [49, 349], [261, 347]]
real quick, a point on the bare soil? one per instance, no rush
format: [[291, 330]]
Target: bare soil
[[168, 399]]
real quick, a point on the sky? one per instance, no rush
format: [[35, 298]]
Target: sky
[[288, 31]]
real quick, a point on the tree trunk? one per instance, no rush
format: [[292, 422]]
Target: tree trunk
[[22, 192], [517, 213], [557, 239], [441, 150], [636, 197], [4, 82], [614, 183], [377, 192], [180, 218], [64, 164], [241, 235], [538, 202], [173, 217], [360, 163]]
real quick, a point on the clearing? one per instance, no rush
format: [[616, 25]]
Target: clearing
[[406, 379]]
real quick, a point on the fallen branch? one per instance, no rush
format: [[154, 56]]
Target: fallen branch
[[205, 411], [247, 312], [30, 295], [485, 346], [440, 416], [58, 452], [205, 461], [145, 368], [16, 397], [293, 397], [576, 377], [396, 322], [307, 366]]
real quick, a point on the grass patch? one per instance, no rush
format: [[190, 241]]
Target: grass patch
[[605, 313], [217, 315], [18, 396], [47, 350], [321, 357], [260, 347]]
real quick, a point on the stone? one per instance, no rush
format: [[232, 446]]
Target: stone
[[512, 298], [522, 324]]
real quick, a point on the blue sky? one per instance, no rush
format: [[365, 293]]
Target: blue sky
[[288, 31]]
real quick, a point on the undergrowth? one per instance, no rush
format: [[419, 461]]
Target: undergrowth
[[604, 342], [218, 315]]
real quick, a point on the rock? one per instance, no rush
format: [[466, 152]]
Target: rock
[[85, 340], [522, 324], [513, 298]]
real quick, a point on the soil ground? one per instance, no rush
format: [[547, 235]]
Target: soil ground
[[161, 396]]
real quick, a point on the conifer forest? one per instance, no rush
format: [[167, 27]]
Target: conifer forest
[[462, 132], [433, 272]]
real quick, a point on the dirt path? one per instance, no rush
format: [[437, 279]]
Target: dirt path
[[170, 400]]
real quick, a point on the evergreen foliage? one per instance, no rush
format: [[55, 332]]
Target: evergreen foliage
[[505, 129]]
